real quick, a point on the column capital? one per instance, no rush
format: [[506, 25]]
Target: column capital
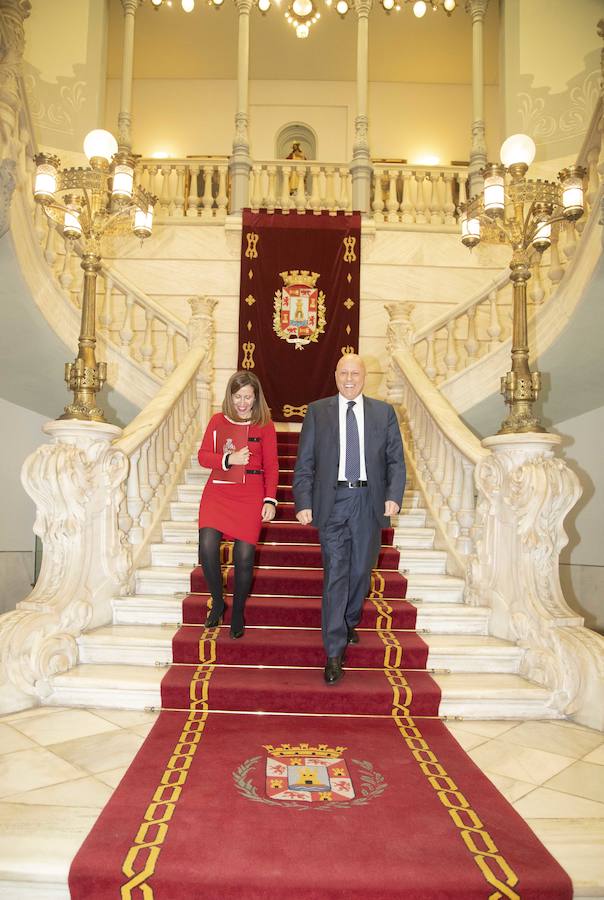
[[130, 6], [477, 9], [244, 7], [363, 8]]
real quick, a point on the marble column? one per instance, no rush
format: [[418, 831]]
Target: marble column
[[360, 167], [478, 150], [240, 163], [124, 119]]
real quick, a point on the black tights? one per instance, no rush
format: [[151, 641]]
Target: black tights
[[243, 560]]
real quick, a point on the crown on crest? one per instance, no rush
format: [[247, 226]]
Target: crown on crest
[[300, 276], [320, 750]]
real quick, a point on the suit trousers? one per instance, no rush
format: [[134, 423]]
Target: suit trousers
[[350, 544]]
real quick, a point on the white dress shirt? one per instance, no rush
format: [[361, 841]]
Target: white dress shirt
[[360, 417]]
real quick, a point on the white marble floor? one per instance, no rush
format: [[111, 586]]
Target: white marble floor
[[58, 767]]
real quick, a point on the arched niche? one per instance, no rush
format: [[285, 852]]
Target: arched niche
[[292, 132]]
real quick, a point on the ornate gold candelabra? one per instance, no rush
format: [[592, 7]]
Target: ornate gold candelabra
[[86, 204], [520, 211]]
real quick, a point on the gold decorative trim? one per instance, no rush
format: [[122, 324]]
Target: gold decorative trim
[[250, 300], [248, 355], [252, 241], [152, 832], [289, 411], [348, 303], [349, 244]]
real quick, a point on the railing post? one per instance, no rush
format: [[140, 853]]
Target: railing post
[[202, 334]]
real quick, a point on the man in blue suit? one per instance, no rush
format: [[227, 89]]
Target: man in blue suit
[[349, 478]]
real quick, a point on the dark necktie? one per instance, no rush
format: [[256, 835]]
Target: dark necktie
[[352, 468]]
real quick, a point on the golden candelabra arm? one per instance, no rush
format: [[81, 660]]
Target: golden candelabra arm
[[521, 214], [86, 204]]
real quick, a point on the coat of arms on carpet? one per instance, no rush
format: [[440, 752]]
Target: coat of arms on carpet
[[299, 308], [312, 774], [305, 776]]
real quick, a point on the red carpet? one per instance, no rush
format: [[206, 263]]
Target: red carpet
[[331, 792]]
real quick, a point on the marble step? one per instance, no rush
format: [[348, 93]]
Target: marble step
[[177, 579], [433, 618], [186, 533], [437, 588], [187, 511], [192, 493], [411, 559], [150, 645], [489, 696]]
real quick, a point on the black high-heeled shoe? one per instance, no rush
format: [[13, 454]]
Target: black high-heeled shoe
[[237, 633], [214, 618]]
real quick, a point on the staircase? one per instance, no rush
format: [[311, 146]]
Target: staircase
[[122, 664]]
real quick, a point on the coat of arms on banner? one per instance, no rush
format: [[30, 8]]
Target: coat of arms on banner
[[312, 774], [299, 316]]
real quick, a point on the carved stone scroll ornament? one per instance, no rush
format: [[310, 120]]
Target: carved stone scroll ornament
[[77, 484], [524, 494]]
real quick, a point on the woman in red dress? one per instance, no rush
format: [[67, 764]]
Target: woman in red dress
[[240, 447]]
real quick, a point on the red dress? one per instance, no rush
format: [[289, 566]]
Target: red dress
[[236, 509]]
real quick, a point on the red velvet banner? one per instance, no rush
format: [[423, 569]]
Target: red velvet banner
[[299, 304]]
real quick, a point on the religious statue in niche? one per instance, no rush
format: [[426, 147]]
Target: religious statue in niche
[[296, 152]]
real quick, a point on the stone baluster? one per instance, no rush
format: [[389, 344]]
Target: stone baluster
[[407, 210], [165, 199], [570, 243], [255, 188], [435, 205], [285, 201], [146, 348], [345, 189], [330, 192], [593, 180], [378, 195], [179, 197], [455, 496], [465, 516], [471, 341], [145, 489], [222, 196], [462, 187], [392, 202], [104, 304], [134, 500], [536, 290], [420, 201], [153, 173], [430, 366], [170, 355], [446, 490], [301, 189], [127, 329], [153, 474], [494, 329], [39, 222], [50, 254], [556, 270], [66, 276], [207, 199], [449, 206], [439, 469], [315, 195], [193, 201], [271, 190], [451, 355]]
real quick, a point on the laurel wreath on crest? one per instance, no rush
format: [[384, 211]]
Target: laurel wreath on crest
[[373, 785]]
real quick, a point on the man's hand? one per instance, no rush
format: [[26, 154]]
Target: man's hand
[[304, 517], [391, 508]]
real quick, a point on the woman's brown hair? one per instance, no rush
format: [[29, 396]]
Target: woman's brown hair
[[261, 414]]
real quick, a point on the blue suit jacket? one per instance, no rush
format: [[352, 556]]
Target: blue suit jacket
[[316, 471]]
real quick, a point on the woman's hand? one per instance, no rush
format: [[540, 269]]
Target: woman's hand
[[268, 512], [239, 457]]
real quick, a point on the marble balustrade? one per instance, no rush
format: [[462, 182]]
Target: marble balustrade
[[187, 188], [418, 196]]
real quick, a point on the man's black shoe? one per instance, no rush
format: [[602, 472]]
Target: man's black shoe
[[353, 636], [333, 670]]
